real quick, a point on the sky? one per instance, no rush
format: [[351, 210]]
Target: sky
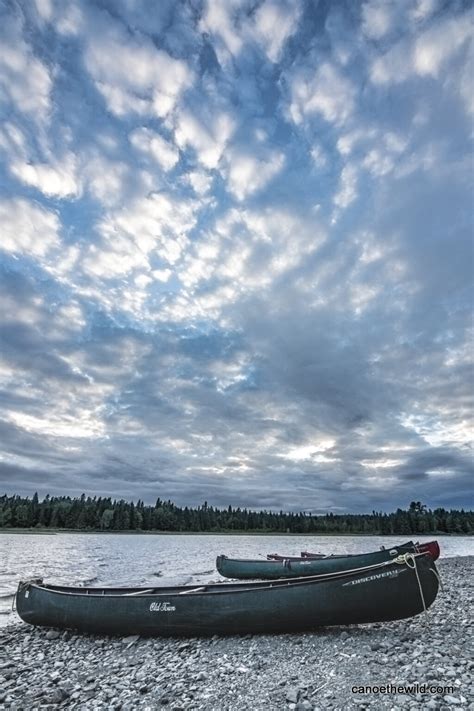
[[236, 251]]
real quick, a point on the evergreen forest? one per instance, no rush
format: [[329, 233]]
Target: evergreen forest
[[87, 513]]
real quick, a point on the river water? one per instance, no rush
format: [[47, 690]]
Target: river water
[[135, 560]]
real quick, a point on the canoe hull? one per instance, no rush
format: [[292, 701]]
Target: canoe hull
[[431, 547], [376, 594], [273, 569]]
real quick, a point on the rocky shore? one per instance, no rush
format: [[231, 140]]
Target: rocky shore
[[317, 670]]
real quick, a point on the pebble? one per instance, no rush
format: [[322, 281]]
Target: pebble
[[313, 671], [292, 695], [53, 634]]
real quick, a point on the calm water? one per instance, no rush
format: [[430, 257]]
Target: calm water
[[121, 559]]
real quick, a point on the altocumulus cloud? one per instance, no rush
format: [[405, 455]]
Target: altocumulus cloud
[[235, 251]]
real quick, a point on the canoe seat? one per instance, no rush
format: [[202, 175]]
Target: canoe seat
[[187, 592], [139, 592]]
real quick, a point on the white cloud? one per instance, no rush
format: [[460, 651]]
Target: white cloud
[[54, 174], [56, 179], [348, 141], [152, 144], [67, 17], [200, 182], [378, 18], [122, 101], [423, 9], [313, 450], [208, 138], [84, 423], [379, 151], [438, 44], [245, 251], [161, 274], [219, 20], [323, 91], [347, 191], [233, 26], [275, 22], [114, 259], [319, 157], [153, 226], [423, 55], [44, 9], [24, 80], [27, 228], [246, 174], [385, 18], [133, 75], [383, 158], [105, 179]]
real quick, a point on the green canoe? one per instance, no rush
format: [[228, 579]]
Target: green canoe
[[387, 591], [260, 569]]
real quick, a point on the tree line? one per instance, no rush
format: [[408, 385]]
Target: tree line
[[87, 513]]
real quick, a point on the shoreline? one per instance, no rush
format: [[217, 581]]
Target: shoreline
[[308, 671], [133, 532]]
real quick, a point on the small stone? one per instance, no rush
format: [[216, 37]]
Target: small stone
[[451, 700], [6, 665], [292, 695], [131, 639], [303, 706], [344, 635], [53, 634], [56, 696]]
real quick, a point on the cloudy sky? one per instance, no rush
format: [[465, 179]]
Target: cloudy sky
[[235, 251]]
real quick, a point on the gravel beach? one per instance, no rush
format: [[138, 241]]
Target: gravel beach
[[42, 668]]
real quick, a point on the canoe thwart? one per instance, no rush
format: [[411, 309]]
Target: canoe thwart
[[139, 592]]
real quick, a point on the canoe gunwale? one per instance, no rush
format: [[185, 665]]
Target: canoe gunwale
[[394, 552]]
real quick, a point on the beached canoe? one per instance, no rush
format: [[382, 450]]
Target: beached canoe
[[260, 569], [432, 547], [390, 590]]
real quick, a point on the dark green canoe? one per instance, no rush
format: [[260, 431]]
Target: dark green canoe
[[377, 593], [260, 569]]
